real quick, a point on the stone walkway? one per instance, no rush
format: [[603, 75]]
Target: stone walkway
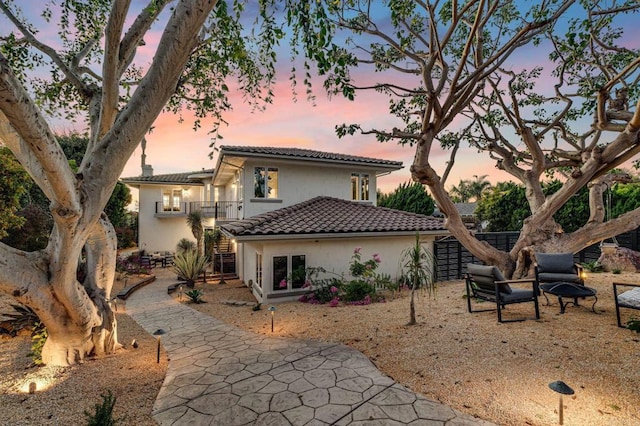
[[221, 375]]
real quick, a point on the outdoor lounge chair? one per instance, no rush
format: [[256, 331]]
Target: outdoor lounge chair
[[487, 283], [557, 267], [629, 299]]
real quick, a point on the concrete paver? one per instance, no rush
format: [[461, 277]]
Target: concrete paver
[[221, 375]]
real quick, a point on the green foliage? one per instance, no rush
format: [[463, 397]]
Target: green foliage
[[504, 207], [195, 222], [593, 266], [185, 245], [357, 290], [468, 190], [624, 198], [634, 325], [195, 295], [418, 267], [189, 266], [409, 197], [39, 336], [13, 185], [256, 307], [103, 412]]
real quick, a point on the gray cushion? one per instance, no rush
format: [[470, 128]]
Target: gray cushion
[[547, 277], [561, 263], [518, 294], [484, 276], [630, 298]]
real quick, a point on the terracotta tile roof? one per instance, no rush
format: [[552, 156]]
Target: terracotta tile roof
[[305, 154], [170, 178], [327, 215]]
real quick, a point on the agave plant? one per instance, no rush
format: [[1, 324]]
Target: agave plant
[[189, 265]]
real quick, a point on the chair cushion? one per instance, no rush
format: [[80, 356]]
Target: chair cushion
[[486, 275], [518, 294], [561, 263], [630, 298], [547, 277]]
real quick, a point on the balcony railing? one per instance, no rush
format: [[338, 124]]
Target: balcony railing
[[219, 210], [171, 210]]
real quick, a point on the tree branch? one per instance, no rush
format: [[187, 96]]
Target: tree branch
[[35, 143]]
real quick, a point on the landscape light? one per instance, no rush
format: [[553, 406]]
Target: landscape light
[[158, 333], [563, 389], [272, 309]]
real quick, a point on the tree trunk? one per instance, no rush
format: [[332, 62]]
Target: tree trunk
[[412, 307]]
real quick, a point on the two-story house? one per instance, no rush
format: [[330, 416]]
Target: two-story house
[[286, 208]]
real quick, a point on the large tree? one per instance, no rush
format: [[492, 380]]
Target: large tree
[[94, 77], [450, 70]]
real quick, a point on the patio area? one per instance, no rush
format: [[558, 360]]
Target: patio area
[[499, 372]]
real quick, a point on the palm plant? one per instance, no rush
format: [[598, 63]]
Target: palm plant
[[189, 265], [194, 220], [418, 268], [185, 245], [216, 238]]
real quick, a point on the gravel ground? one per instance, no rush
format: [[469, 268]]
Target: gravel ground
[[132, 375], [499, 372]]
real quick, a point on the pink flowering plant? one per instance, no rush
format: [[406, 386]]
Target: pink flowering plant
[[360, 290]]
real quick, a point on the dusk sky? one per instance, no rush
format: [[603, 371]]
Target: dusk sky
[[175, 147]]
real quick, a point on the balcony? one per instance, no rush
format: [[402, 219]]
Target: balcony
[[219, 210], [176, 210]]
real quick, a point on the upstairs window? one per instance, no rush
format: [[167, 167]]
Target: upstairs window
[[265, 182], [171, 200], [359, 187]]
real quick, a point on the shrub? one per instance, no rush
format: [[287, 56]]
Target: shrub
[[634, 324], [195, 296], [185, 245], [38, 338], [357, 290], [593, 266], [103, 415], [189, 265]]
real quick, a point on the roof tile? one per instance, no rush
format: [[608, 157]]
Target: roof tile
[[305, 154], [310, 217]]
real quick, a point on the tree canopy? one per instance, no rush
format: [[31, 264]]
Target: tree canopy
[[456, 83], [409, 197]]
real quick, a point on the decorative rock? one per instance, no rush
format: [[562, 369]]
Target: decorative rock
[[621, 258]]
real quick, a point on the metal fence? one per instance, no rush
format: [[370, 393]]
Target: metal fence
[[452, 257]]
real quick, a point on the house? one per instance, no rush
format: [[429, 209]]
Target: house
[[283, 209], [164, 203]]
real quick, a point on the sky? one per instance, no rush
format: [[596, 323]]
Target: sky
[[175, 147]]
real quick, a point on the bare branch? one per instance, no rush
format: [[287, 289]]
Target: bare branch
[[34, 143]]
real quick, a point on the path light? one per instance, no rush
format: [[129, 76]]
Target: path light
[[272, 309], [180, 292], [563, 389], [158, 333]]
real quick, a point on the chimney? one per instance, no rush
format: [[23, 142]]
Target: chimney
[[147, 170]]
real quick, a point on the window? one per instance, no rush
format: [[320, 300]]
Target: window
[[259, 270], [279, 273], [359, 187], [265, 182], [289, 272], [171, 200]]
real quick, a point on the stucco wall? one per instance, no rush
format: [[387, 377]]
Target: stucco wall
[[299, 182], [333, 255], [163, 233]]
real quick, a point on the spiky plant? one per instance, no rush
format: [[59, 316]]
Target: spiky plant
[[189, 265], [185, 245], [418, 267]]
